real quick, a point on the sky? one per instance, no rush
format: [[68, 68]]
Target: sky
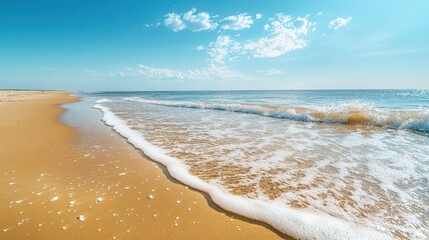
[[113, 45]]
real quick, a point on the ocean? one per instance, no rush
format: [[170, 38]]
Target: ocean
[[328, 164]]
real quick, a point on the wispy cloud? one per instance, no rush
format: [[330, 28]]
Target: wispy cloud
[[159, 73], [153, 25], [339, 22], [237, 22], [174, 22], [211, 72], [200, 48], [272, 71], [190, 20], [110, 74], [285, 34], [201, 21], [221, 49]]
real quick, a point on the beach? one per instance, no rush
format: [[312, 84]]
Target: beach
[[257, 120], [352, 159], [61, 183]]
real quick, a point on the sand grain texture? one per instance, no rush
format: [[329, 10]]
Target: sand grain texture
[[51, 177]]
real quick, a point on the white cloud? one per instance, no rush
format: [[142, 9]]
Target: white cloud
[[157, 73], [190, 20], [212, 72], [285, 35], [266, 27], [339, 22], [222, 47], [272, 71], [110, 74], [200, 48], [237, 22], [174, 22], [258, 16], [144, 72], [319, 13], [153, 25]]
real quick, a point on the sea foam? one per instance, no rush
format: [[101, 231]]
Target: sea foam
[[301, 224], [346, 113]]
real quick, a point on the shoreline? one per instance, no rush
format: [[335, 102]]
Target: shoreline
[[67, 167], [207, 196], [302, 225]]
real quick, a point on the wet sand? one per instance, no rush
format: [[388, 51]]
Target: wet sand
[[52, 175]]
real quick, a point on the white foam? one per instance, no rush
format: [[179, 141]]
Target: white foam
[[300, 224], [103, 100], [417, 119]]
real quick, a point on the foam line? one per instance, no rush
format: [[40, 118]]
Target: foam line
[[347, 113], [300, 224]]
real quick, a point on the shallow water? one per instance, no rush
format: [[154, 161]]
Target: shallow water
[[360, 157]]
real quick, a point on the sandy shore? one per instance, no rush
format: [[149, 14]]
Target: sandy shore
[[51, 177]]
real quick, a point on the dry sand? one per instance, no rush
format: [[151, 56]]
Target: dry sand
[[51, 177]]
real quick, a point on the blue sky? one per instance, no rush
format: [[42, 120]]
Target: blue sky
[[198, 45]]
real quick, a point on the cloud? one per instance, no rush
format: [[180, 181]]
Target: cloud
[[272, 71], [157, 73], [319, 13], [190, 20], [110, 74], [222, 47], [174, 22], [200, 48], [237, 22], [214, 72], [153, 25], [285, 35], [211, 72], [196, 22], [258, 16], [339, 22]]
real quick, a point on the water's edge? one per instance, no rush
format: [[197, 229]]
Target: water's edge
[[297, 223]]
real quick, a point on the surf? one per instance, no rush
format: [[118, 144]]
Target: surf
[[353, 113], [300, 224]]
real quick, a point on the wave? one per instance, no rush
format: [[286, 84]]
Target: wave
[[103, 100], [347, 113], [300, 224]]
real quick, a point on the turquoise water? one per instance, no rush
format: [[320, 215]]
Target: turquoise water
[[389, 108], [385, 99], [358, 160]]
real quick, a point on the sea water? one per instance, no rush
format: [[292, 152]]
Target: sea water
[[331, 164]]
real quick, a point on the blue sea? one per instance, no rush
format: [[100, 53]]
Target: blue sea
[[328, 164]]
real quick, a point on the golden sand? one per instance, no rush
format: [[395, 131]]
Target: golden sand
[[58, 184]]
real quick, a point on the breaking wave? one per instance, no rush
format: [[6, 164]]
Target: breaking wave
[[347, 113]]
